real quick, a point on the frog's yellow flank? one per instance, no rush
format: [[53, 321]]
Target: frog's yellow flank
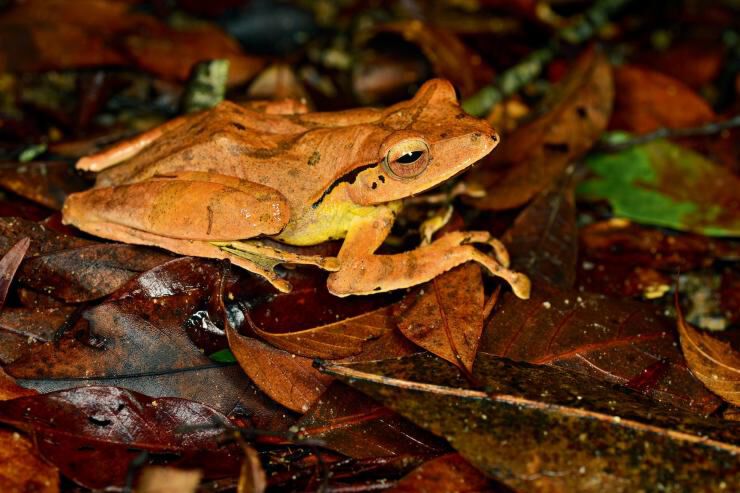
[[214, 184]]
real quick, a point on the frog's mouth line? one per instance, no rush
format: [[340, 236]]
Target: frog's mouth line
[[349, 178]]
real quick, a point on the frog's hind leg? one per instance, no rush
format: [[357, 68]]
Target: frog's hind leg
[[193, 248], [127, 148], [272, 255], [184, 213]]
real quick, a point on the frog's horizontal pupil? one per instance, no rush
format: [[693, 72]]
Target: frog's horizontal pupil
[[410, 157]]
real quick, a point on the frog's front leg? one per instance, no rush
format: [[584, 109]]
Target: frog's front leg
[[361, 271]]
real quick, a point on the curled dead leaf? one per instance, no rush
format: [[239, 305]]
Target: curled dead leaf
[[332, 341], [289, 379], [712, 361]]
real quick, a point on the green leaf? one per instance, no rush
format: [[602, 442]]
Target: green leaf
[[223, 356], [663, 184]]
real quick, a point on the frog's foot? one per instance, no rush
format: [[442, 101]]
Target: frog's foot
[[364, 272], [270, 256]]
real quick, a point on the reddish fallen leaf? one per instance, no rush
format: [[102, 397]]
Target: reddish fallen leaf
[[450, 473], [137, 340], [89, 272], [706, 58], [21, 469], [543, 241], [110, 427], [646, 100], [43, 239], [620, 258], [445, 315], [45, 182], [288, 379], [537, 153], [609, 339], [712, 361], [9, 264], [450, 58], [41, 33], [332, 341], [23, 328], [9, 389], [351, 423]]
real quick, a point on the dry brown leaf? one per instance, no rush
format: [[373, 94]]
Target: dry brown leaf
[[646, 100], [449, 56], [9, 264], [445, 316], [333, 341], [535, 154], [156, 479], [288, 379], [21, 470], [712, 361], [57, 34], [449, 472], [252, 478], [9, 389]]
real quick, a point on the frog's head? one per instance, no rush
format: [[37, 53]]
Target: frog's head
[[430, 139]]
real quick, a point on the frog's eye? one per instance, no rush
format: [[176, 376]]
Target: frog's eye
[[407, 159]]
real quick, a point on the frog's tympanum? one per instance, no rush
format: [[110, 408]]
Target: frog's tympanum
[[217, 183]]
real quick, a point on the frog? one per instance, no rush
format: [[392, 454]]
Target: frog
[[252, 183]]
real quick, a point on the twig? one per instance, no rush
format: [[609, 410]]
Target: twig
[[670, 133], [521, 74]]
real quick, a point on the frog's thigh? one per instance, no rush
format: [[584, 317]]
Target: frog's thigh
[[194, 248], [187, 207], [362, 272]]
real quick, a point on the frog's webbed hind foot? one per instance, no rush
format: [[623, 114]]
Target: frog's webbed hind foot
[[270, 256]]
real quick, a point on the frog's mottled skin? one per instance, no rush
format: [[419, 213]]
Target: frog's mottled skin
[[200, 184]]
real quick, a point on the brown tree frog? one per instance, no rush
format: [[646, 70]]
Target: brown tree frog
[[214, 184]]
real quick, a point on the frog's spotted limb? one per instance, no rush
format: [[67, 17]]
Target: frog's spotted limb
[[363, 272]]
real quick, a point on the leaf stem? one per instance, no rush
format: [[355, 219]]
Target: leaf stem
[[512, 80], [670, 133]]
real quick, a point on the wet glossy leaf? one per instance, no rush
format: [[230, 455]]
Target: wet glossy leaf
[[450, 473], [539, 428], [355, 425], [90, 272], [445, 315], [138, 340], [663, 184], [45, 182], [289, 379], [21, 469], [543, 241], [110, 427], [611, 339], [714, 362], [23, 328], [536, 154], [43, 239]]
